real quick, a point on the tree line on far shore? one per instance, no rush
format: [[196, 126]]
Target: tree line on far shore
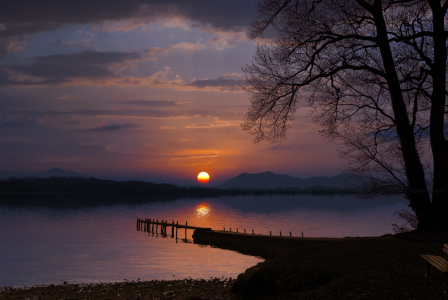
[[95, 186]]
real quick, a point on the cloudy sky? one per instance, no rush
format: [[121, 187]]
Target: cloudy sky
[[138, 89]]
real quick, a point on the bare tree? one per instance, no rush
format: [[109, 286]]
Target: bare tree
[[374, 73]]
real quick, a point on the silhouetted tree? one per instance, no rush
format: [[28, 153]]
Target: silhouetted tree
[[410, 218], [374, 74]]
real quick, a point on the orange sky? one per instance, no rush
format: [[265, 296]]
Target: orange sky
[[139, 90]]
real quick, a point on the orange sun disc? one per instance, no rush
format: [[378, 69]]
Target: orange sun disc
[[203, 177]]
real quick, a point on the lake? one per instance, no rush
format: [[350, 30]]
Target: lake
[[89, 244]]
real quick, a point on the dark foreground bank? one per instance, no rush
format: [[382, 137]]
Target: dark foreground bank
[[349, 268]]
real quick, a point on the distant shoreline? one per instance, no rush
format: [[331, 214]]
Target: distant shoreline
[[94, 186]]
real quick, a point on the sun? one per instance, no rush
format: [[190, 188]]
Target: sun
[[203, 177]]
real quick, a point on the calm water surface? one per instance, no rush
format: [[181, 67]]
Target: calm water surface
[[42, 245]]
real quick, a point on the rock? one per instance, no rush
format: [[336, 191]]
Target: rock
[[257, 283]]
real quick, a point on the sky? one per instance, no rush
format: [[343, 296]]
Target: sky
[[139, 89]]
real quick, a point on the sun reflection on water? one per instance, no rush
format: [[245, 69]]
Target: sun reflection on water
[[203, 210]]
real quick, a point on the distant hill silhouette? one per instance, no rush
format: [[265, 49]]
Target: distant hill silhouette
[[269, 180], [55, 172]]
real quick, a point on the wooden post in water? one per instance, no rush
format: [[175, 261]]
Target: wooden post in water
[[280, 233], [237, 230], [157, 225], [166, 225], [153, 225], [230, 229], [302, 233], [224, 228], [270, 233], [186, 224], [244, 230], [252, 231], [172, 230], [290, 234]]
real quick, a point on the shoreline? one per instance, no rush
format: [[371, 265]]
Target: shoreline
[[215, 288], [387, 267]]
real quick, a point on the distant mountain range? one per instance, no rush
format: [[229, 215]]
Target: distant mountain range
[[49, 173], [269, 180]]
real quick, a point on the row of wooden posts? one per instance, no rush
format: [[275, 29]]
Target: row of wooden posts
[[147, 225], [270, 232]]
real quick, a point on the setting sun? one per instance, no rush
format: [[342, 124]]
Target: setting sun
[[203, 177]]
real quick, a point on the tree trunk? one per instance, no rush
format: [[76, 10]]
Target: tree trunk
[[439, 145], [418, 194]]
